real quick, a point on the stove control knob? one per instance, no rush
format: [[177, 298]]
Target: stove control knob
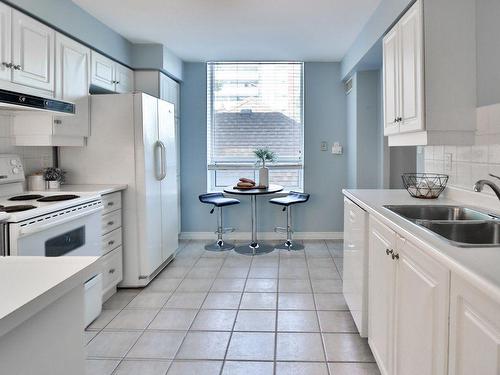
[[14, 162], [16, 170]]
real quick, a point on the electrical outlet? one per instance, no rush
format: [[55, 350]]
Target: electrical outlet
[[324, 146], [448, 162]]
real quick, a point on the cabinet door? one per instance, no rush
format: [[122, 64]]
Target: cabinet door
[[421, 317], [170, 91], [474, 331], [124, 79], [72, 84], [5, 42], [390, 80], [381, 294], [103, 71], [33, 52], [411, 70]]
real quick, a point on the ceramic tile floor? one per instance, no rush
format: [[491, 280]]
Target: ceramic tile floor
[[208, 313]]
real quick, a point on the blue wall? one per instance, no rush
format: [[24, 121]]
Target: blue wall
[[325, 174], [73, 20], [383, 17]]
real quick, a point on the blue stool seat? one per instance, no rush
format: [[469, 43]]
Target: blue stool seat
[[293, 197], [217, 199]]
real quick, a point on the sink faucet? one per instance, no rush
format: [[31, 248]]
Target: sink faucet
[[479, 185]]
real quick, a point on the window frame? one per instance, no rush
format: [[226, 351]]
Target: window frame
[[283, 164]]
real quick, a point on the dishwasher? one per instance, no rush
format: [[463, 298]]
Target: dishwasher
[[355, 285]]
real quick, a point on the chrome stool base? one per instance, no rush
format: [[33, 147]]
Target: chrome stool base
[[254, 249], [219, 246], [290, 246]]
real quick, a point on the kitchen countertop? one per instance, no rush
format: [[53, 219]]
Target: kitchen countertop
[[29, 284], [86, 188], [480, 266]]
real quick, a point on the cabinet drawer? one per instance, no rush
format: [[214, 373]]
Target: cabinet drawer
[[111, 240], [111, 221], [111, 202], [112, 272]]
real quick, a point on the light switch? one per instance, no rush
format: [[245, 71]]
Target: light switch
[[337, 149], [324, 146]]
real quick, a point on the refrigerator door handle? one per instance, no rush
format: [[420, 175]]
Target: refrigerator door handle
[[157, 162], [163, 154]]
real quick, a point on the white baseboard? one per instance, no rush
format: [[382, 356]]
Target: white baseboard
[[241, 236]]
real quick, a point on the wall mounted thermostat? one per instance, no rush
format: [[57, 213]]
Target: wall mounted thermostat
[[337, 149]]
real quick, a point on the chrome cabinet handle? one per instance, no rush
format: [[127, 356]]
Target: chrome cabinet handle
[[112, 270], [111, 222], [7, 65], [111, 203], [111, 243], [389, 251], [395, 256], [17, 67]]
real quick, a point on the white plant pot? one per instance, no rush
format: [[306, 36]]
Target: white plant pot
[[53, 184], [264, 177]]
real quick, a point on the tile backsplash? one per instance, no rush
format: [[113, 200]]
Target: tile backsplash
[[33, 158], [467, 164]]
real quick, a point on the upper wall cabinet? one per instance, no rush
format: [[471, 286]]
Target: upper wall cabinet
[[111, 76], [430, 92], [26, 53], [32, 52], [5, 42]]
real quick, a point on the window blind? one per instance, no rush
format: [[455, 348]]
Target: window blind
[[254, 105]]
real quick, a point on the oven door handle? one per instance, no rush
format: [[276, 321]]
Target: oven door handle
[[26, 232]]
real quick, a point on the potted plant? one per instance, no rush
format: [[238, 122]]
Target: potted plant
[[54, 177], [264, 155]]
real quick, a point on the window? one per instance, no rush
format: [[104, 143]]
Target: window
[[249, 106]]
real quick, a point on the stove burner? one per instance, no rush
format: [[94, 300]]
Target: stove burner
[[25, 197], [17, 208], [55, 198]]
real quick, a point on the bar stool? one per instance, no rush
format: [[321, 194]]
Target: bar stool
[[292, 198], [219, 200]]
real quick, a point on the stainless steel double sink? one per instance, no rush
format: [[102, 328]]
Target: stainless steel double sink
[[460, 226]]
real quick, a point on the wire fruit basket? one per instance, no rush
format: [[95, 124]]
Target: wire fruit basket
[[425, 185]]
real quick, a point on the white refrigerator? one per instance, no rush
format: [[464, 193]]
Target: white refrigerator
[[133, 142]]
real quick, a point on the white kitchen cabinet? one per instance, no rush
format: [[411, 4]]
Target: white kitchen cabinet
[[124, 79], [429, 75], [381, 279], [32, 52], [403, 74], [355, 283], [408, 309], [109, 75], [391, 86], [72, 84], [5, 42], [421, 313], [103, 71], [474, 330]]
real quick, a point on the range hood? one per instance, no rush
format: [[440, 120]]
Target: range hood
[[15, 101]]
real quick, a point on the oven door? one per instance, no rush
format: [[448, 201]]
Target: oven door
[[71, 232]]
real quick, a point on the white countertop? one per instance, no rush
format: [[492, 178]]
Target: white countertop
[[91, 188], [29, 284], [480, 266]]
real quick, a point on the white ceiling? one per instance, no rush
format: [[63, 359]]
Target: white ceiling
[[203, 30]]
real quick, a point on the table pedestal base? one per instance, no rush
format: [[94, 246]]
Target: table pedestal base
[[254, 249], [294, 247]]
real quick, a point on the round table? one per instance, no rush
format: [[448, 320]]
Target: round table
[[254, 247]]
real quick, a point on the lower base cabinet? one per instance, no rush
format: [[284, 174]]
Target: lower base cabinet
[[474, 331], [408, 306]]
